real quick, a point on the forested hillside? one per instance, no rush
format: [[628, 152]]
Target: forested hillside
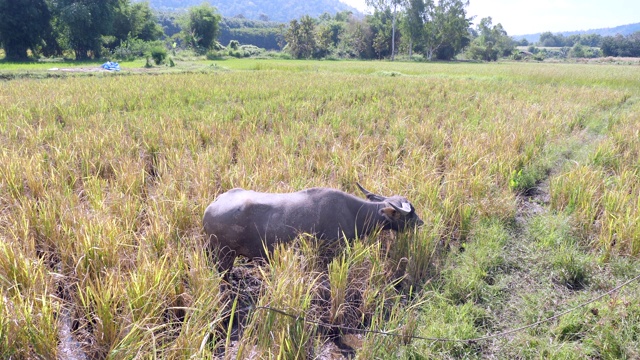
[[275, 10], [623, 30], [263, 34]]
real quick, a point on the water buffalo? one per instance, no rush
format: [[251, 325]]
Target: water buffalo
[[245, 222]]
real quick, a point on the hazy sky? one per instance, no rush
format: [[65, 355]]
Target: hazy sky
[[521, 17]]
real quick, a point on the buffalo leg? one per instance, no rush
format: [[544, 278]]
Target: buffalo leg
[[226, 258]]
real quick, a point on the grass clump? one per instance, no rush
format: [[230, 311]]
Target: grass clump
[[550, 231], [470, 275], [553, 234], [572, 268], [445, 320]]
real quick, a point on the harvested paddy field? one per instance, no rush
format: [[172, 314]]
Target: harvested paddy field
[[526, 176]]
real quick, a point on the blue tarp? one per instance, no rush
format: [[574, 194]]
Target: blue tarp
[[111, 66]]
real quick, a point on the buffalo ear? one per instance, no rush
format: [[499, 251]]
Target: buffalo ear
[[390, 212], [404, 210]]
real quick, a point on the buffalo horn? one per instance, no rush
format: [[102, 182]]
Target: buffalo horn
[[371, 196]]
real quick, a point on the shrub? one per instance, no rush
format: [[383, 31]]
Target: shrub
[[243, 50], [235, 53], [130, 50], [135, 48], [217, 46], [251, 50], [234, 44], [213, 55], [159, 54]]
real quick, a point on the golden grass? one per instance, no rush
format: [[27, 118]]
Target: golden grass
[[602, 190], [103, 182]]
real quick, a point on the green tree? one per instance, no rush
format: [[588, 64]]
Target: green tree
[[343, 16], [357, 39], [24, 25], [293, 39], [301, 37], [578, 51], [593, 40], [86, 22], [380, 44], [446, 29], [329, 31], [383, 5], [136, 21], [381, 25], [548, 39], [202, 26], [621, 45], [412, 25], [491, 43]]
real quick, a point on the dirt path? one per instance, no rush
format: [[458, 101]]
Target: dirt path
[[532, 286]]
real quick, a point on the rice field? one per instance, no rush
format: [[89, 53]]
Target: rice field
[[104, 179]]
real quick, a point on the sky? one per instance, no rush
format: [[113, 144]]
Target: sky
[[521, 17]]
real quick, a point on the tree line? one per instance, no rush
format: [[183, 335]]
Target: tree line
[[87, 27], [262, 33], [435, 29], [549, 39], [624, 46], [584, 45], [98, 28], [94, 28]]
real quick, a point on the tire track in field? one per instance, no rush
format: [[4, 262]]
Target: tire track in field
[[522, 276], [528, 272]]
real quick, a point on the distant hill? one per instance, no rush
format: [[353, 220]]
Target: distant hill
[[622, 30], [273, 10]]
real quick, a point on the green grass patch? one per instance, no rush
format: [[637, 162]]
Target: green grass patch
[[469, 277], [443, 319]]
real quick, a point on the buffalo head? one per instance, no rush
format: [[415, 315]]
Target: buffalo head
[[400, 214]]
